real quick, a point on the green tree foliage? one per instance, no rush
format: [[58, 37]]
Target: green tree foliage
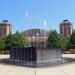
[[8, 41], [72, 41], [64, 43], [53, 39], [2, 44], [19, 41], [56, 41], [16, 40]]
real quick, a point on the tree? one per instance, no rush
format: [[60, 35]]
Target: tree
[[56, 41], [16, 40], [53, 39], [72, 41], [2, 44], [8, 41], [64, 43], [19, 41]]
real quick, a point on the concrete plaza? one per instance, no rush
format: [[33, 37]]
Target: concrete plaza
[[65, 69]]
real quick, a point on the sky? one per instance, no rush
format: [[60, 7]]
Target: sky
[[47, 14]]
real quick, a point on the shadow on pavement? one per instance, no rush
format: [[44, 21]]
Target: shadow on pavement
[[64, 62]]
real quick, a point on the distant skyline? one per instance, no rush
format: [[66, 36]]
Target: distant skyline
[[39, 12]]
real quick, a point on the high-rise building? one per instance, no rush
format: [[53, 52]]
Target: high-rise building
[[5, 28], [66, 28]]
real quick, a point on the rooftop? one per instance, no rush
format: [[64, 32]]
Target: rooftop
[[5, 22]]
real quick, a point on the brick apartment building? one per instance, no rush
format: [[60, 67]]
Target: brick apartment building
[[66, 28], [5, 28]]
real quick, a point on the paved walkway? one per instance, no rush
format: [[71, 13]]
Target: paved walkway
[[67, 69]]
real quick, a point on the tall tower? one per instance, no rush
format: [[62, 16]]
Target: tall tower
[[5, 28], [66, 28]]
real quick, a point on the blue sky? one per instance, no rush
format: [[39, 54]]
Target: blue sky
[[52, 11]]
